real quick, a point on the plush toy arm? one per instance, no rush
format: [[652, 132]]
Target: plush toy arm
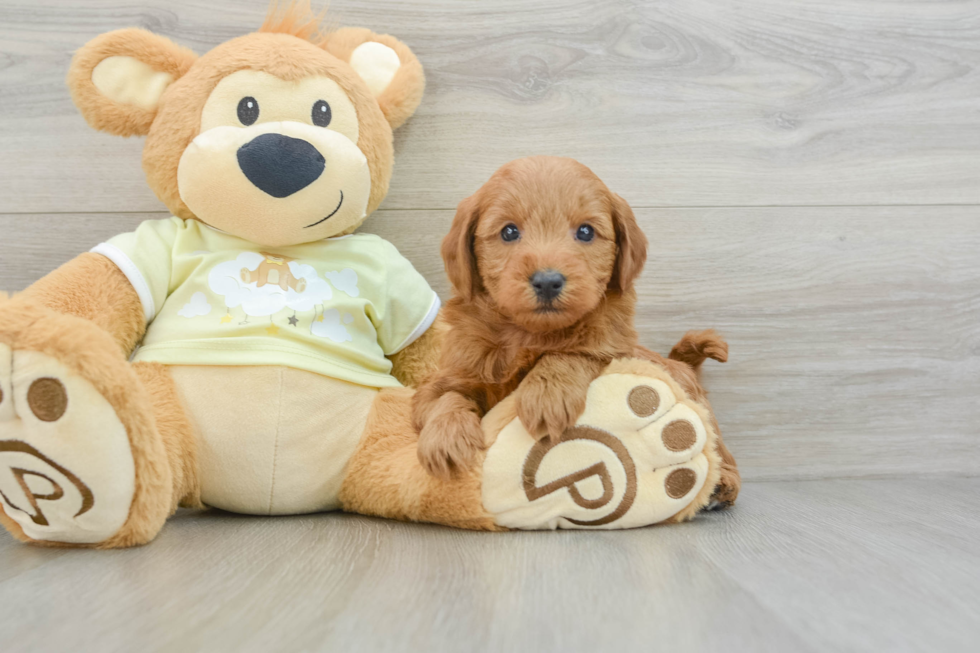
[[94, 288], [421, 358], [552, 395]]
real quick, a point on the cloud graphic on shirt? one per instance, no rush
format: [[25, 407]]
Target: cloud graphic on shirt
[[197, 306], [345, 281], [330, 327], [226, 280], [316, 292]]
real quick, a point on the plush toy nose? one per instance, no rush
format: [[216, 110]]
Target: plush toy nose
[[280, 165], [547, 284]]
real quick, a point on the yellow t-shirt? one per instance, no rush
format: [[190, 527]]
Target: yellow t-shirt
[[335, 307]]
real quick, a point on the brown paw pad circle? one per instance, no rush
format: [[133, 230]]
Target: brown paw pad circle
[[679, 482], [47, 399], [643, 401], [679, 435]]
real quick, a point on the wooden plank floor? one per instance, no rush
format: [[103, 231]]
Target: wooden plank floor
[[807, 173], [798, 566]]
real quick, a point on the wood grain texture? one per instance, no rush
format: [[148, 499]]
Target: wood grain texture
[[699, 103], [803, 566], [854, 332]]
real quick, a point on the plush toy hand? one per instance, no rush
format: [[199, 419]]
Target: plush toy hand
[[552, 395]]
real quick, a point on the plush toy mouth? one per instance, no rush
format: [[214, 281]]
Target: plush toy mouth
[[339, 204]]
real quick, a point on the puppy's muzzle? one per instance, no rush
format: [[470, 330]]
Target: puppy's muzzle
[[547, 284], [280, 165]]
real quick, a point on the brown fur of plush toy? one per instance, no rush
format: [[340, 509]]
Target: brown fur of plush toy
[[506, 337]]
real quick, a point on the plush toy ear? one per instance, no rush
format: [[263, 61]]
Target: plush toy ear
[[116, 79], [386, 65], [457, 249], [631, 243]]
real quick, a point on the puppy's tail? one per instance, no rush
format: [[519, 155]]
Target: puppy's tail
[[696, 346]]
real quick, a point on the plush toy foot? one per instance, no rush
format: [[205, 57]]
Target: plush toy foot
[[640, 454], [66, 469]]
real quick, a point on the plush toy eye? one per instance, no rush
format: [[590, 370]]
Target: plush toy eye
[[585, 233], [321, 113], [248, 110], [510, 233]]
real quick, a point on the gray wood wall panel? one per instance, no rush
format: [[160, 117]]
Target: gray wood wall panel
[[854, 331], [697, 103]]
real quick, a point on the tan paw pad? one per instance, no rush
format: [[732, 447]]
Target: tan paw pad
[[66, 468], [634, 458]]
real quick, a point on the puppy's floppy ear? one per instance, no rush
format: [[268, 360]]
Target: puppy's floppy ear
[[457, 249], [388, 67], [116, 79], [631, 245]]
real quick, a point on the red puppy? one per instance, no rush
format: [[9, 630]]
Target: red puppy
[[542, 259]]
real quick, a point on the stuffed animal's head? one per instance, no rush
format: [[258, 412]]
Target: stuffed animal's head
[[280, 137]]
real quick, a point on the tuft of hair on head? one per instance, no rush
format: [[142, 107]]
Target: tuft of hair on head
[[296, 18]]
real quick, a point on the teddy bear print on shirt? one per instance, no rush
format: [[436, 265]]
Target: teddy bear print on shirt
[[263, 284]]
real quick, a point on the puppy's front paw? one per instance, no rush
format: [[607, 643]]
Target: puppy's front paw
[[449, 442], [548, 410]]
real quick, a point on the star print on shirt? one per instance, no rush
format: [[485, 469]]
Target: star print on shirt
[[293, 321]]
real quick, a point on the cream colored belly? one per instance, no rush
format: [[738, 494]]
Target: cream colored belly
[[272, 440]]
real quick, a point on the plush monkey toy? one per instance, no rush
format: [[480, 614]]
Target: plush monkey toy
[[273, 340]]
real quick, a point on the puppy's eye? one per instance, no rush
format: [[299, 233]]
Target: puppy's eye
[[585, 233], [248, 110], [510, 233], [321, 113]]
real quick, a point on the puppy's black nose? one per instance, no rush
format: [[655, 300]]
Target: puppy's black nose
[[547, 284], [280, 165]]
